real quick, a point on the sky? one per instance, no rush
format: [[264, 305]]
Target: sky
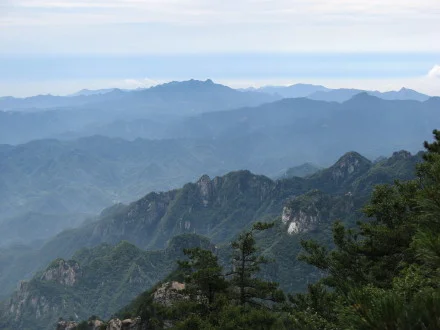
[[60, 46]]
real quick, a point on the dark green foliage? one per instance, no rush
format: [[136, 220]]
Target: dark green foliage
[[246, 261], [231, 203], [219, 208], [212, 299], [205, 276], [109, 277], [385, 273]]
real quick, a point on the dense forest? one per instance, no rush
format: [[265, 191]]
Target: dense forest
[[382, 273]]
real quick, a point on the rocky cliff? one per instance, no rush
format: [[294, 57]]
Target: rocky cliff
[[314, 209], [43, 296]]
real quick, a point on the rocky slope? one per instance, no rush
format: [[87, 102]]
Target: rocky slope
[[103, 278], [96, 281], [217, 208]]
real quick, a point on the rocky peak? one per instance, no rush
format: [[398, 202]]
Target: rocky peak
[[348, 164], [402, 154], [206, 189], [62, 272]]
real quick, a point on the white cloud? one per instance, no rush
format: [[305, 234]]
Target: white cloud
[[235, 11], [137, 83], [120, 26], [434, 72]]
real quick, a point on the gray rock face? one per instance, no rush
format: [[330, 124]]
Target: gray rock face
[[169, 292], [114, 324], [314, 209], [205, 186], [345, 167], [66, 325], [127, 324], [298, 220], [63, 272], [27, 300], [95, 324], [91, 325]]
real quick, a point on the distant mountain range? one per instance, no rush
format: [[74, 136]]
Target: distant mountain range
[[81, 175], [321, 93], [64, 159], [221, 97], [186, 97], [88, 92]]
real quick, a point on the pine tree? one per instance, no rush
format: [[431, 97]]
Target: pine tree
[[204, 279], [385, 274], [246, 261]]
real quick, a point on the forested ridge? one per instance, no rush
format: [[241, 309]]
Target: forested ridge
[[381, 274], [365, 275]]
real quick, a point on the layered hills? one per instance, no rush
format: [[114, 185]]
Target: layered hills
[[161, 111], [76, 178], [217, 209]]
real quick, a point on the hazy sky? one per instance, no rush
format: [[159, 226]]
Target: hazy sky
[[59, 46]]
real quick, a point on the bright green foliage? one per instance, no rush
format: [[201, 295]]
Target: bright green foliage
[[384, 274]]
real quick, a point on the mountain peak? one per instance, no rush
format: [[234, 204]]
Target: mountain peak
[[364, 96], [349, 163], [204, 178], [351, 157], [402, 154]]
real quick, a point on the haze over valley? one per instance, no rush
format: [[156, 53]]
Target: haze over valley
[[243, 164], [67, 158]]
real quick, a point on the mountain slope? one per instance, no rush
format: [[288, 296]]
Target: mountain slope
[[218, 208], [344, 94], [180, 97], [301, 171], [45, 116], [83, 176], [97, 281]]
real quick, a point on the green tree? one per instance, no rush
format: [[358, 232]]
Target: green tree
[[385, 273], [204, 279], [247, 289]]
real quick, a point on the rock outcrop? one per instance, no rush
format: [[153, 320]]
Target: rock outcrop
[[67, 325], [62, 272], [309, 211], [206, 189], [113, 324], [169, 292], [300, 220], [35, 299]]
